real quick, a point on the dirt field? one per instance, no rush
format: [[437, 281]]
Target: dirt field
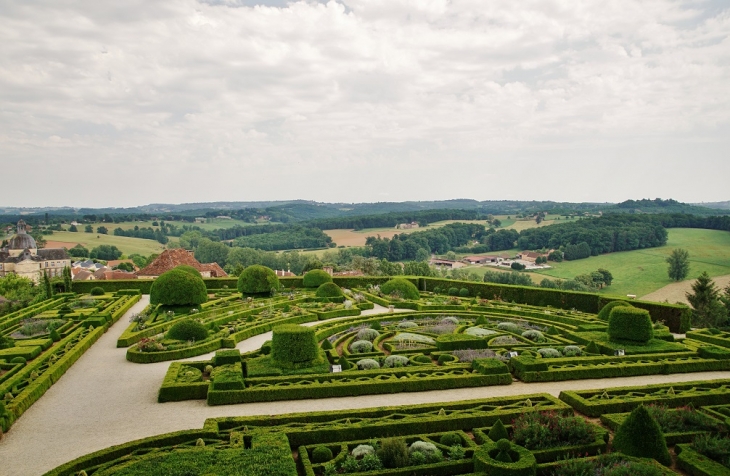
[[675, 292], [60, 244]]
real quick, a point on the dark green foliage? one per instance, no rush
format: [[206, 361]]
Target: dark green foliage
[[606, 310], [707, 308], [402, 287], [503, 449], [329, 290], [344, 363], [640, 435], [542, 430], [97, 291], [715, 447], [105, 252], [315, 278], [321, 454], [453, 291], [481, 320], [326, 345], [187, 329], [517, 266], [6, 342], [631, 324], [580, 251], [55, 336], [444, 358], [188, 269], [178, 288], [678, 262], [450, 439], [592, 348], [376, 325], [257, 279], [78, 251], [393, 452], [498, 431], [463, 292], [230, 356], [18, 360], [293, 344]]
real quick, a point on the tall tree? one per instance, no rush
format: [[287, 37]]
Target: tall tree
[[47, 287], [678, 264], [707, 309], [67, 280]]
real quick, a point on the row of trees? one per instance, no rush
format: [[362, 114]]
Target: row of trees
[[419, 245]]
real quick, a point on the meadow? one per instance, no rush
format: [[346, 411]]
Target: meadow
[[127, 245]]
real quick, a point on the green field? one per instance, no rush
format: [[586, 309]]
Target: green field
[[641, 272], [92, 240], [209, 225]]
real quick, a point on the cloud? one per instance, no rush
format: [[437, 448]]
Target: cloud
[[407, 97]]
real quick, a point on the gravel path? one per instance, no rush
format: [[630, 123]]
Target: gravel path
[[105, 400]]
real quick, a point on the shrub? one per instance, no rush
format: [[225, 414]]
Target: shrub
[[178, 288], [321, 454], [329, 290], [422, 359], [463, 292], [454, 291], [407, 325], [361, 346], [444, 358], [639, 435], [370, 463], [549, 353], [715, 447], [509, 327], [450, 320], [294, 344], [606, 310], [344, 363], [479, 332], [362, 450], [315, 278], [401, 286], [367, 364], [188, 269], [450, 439], [541, 430], [630, 323], [571, 350], [498, 431], [429, 449], [367, 334], [18, 360], [257, 279], [417, 338], [592, 348], [187, 329], [97, 291], [376, 326], [393, 452], [395, 361], [6, 342], [535, 336], [326, 345]]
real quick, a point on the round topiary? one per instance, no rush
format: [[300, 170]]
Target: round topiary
[[187, 329], [97, 291], [293, 344], [321, 454], [549, 353], [451, 438], [630, 323], [464, 292], [606, 310], [18, 360], [329, 290], [367, 334], [188, 269], [453, 291], [393, 361], [640, 435], [257, 279], [178, 288], [361, 346], [315, 278], [401, 286], [367, 364]]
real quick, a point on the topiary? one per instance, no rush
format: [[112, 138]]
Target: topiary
[[361, 346], [187, 329], [362, 450], [315, 278], [367, 334], [463, 292], [393, 361], [367, 364], [188, 269], [453, 291], [630, 323], [423, 447], [376, 326], [482, 321], [592, 348], [571, 350], [498, 431], [257, 279], [405, 288], [393, 452], [326, 345], [606, 310], [178, 288], [344, 363], [200, 442], [6, 342], [533, 335], [509, 327], [451, 438], [549, 353], [321, 454], [18, 360], [97, 291], [294, 344], [503, 447], [444, 358], [640, 435], [329, 290], [55, 336]]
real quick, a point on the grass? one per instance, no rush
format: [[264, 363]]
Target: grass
[[209, 225], [641, 272], [91, 240]]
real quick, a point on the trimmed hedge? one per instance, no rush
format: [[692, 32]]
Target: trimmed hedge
[[187, 329], [605, 311], [257, 279], [293, 344], [628, 323], [460, 342], [315, 278], [697, 464], [329, 290], [405, 288], [178, 288], [172, 391]]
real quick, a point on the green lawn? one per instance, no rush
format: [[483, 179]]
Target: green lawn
[[211, 224], [92, 240], [641, 272]]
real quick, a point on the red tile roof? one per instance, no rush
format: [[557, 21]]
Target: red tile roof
[[170, 259]]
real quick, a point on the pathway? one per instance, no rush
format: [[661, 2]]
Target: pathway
[[105, 400]]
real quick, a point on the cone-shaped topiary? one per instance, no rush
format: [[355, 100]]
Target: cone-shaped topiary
[[187, 329], [640, 435], [315, 278], [503, 447], [344, 363], [481, 320], [401, 286], [606, 310], [630, 323], [257, 279], [376, 326], [55, 336], [329, 290], [592, 348], [498, 431], [293, 344], [178, 288], [326, 344]]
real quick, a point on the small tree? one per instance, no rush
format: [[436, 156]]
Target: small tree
[[67, 280], [73, 228], [678, 264], [607, 276], [47, 287], [707, 308], [102, 230]]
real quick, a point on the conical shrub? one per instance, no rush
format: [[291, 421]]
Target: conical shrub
[[639, 435]]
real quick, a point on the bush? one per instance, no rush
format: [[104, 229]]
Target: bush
[[407, 325], [444, 358], [367, 364], [367, 334], [450, 320], [429, 449], [321, 454], [315, 278], [6, 342], [535, 336], [293, 344], [571, 350], [361, 346], [362, 450], [517, 266], [393, 453], [401, 286], [606, 310], [509, 327], [395, 361], [639, 435], [178, 288], [549, 353], [188, 269], [344, 363], [187, 329], [257, 279], [498, 431], [450, 439], [592, 348], [542, 430], [629, 323], [326, 345], [97, 291], [18, 360], [329, 290], [453, 291], [463, 292]]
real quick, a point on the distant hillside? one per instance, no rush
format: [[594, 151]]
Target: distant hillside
[[664, 206], [716, 205]]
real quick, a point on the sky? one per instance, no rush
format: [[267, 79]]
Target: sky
[[159, 101]]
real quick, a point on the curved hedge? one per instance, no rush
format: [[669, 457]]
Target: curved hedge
[[606, 310], [315, 278], [329, 290], [178, 288], [257, 279], [405, 288], [293, 344], [629, 323]]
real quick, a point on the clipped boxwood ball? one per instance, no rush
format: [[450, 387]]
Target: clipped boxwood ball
[[630, 323], [329, 290], [187, 329], [293, 344], [188, 269], [257, 279], [402, 286], [315, 278], [450, 439], [606, 310], [178, 288], [97, 291], [321, 454]]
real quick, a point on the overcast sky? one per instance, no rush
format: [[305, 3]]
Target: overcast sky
[[147, 101]]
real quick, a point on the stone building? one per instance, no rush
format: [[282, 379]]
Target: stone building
[[22, 257]]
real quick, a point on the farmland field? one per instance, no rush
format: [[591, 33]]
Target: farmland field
[[128, 245], [641, 272], [211, 224]]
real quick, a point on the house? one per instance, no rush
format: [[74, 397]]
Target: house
[[531, 256], [116, 262], [114, 274], [170, 259], [476, 259], [407, 226], [282, 273], [223, 217], [83, 275], [446, 263], [22, 257], [199, 219], [99, 273]]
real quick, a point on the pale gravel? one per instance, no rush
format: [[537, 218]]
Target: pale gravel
[[104, 400]]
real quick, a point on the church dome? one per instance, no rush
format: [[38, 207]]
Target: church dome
[[22, 240]]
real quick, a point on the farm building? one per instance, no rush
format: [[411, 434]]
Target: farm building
[[446, 263], [170, 259], [531, 256]]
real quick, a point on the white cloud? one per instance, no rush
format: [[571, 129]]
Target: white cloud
[[419, 99]]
